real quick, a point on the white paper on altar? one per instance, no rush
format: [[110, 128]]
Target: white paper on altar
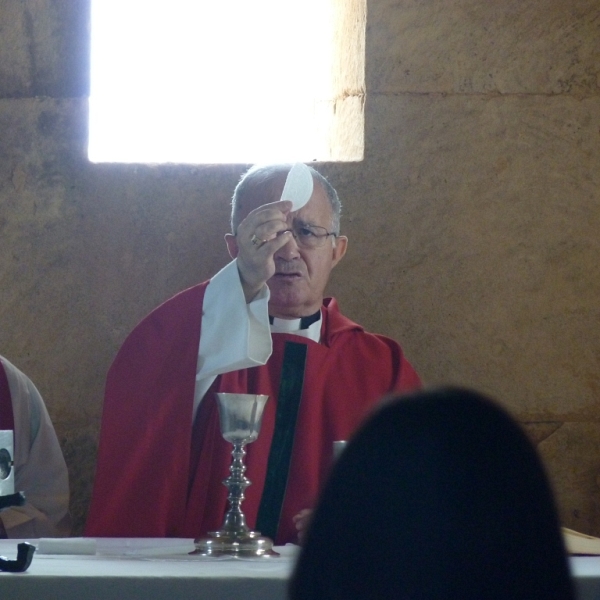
[[7, 471], [67, 546], [144, 546]]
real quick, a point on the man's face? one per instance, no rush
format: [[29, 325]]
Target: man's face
[[301, 274]]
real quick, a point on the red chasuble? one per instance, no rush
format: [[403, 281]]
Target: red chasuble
[[160, 475]]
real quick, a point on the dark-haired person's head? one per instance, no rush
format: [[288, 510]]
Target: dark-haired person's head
[[440, 495]]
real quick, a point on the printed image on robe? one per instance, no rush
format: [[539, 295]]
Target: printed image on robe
[[7, 475], [5, 463]]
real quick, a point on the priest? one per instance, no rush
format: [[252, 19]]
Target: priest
[[262, 326]]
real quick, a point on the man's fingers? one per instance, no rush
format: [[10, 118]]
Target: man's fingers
[[257, 241], [269, 245], [282, 206], [263, 230], [259, 236], [265, 221], [302, 521], [256, 264]]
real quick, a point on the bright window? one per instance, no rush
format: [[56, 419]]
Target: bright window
[[221, 81]]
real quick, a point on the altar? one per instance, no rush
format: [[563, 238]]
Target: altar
[[163, 569]]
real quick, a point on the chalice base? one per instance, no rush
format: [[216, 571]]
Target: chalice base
[[226, 543]]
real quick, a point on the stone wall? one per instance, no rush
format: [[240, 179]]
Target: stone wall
[[473, 218]]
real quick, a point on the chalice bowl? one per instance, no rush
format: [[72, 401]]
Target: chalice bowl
[[240, 417]]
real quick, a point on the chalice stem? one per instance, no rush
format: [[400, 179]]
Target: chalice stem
[[235, 520]]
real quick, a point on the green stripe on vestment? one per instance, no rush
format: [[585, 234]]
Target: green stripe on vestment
[[278, 466]]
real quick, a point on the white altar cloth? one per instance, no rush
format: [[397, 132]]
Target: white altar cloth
[[161, 569], [145, 569]]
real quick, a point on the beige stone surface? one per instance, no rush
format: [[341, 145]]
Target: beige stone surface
[[473, 46], [473, 218], [481, 235], [348, 81], [15, 66], [44, 48]]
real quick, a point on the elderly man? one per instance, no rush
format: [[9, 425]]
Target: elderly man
[[40, 470], [261, 325]]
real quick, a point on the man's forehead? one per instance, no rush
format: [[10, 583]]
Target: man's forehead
[[263, 193], [270, 191]]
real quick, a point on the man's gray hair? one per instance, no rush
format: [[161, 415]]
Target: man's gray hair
[[263, 178]]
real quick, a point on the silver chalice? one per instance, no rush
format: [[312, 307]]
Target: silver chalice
[[240, 417]]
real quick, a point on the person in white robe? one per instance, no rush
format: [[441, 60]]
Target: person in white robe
[[39, 466]]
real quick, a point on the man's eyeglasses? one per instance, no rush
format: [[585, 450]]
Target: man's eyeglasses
[[309, 236]]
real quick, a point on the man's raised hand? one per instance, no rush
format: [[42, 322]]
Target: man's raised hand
[[258, 238]]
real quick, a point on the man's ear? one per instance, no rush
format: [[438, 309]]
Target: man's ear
[[232, 246], [341, 245]]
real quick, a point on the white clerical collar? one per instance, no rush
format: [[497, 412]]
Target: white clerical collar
[[293, 326], [286, 325]]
